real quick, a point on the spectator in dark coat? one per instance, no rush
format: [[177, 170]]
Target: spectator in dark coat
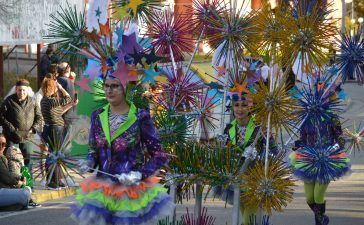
[[45, 63], [64, 71], [20, 117]]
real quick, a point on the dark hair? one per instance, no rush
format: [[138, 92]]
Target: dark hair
[[53, 68], [50, 76], [49, 51], [22, 82]]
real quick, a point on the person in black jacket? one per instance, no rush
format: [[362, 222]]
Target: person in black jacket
[[20, 117], [64, 71]]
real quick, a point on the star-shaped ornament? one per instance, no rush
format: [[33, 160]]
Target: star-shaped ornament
[[130, 44], [122, 73], [120, 12], [138, 56], [133, 4], [98, 12], [83, 83], [240, 88], [151, 57], [105, 29], [149, 75]]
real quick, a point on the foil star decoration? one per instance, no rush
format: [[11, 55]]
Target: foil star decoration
[[83, 83], [149, 75], [123, 73], [272, 191], [240, 88]]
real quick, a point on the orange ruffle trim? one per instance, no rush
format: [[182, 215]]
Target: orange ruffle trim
[[118, 190]]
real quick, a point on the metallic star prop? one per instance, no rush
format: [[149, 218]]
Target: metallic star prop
[[149, 75], [240, 88], [120, 12], [83, 83], [122, 72], [133, 4]]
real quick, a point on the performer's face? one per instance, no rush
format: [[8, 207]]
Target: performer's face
[[241, 109], [114, 91]]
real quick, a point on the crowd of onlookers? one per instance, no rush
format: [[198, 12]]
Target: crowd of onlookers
[[49, 113]]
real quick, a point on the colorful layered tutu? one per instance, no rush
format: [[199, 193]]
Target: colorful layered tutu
[[102, 201], [320, 164]]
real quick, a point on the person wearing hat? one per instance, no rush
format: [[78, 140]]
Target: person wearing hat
[[245, 133], [125, 147], [319, 155], [20, 117]]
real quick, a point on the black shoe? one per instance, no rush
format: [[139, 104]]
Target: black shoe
[[52, 186], [33, 203]]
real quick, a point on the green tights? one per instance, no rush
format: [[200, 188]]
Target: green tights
[[315, 192], [247, 213]]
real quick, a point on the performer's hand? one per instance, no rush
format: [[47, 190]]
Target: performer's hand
[[130, 178], [83, 166], [250, 152]]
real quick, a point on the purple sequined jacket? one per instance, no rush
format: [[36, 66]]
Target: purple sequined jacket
[[135, 146]]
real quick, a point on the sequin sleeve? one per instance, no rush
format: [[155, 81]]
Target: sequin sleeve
[[92, 151], [150, 140]]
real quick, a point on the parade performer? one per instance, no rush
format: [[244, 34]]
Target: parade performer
[[245, 133], [125, 189], [319, 155]]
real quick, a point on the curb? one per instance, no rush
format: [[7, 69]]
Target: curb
[[46, 195]]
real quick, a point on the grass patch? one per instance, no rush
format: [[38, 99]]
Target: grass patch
[[11, 78]]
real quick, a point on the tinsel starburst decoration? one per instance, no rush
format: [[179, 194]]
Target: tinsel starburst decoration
[[169, 33], [203, 113], [66, 30], [173, 128], [203, 10], [271, 191], [271, 31], [316, 106], [308, 30], [321, 163], [60, 161], [234, 30], [179, 92], [354, 137], [279, 102], [351, 58]]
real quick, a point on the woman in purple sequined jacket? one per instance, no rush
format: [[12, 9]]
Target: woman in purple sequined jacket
[[126, 149]]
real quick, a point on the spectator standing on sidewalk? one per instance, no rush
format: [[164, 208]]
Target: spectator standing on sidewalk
[[53, 107], [45, 63], [20, 117], [64, 71]]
